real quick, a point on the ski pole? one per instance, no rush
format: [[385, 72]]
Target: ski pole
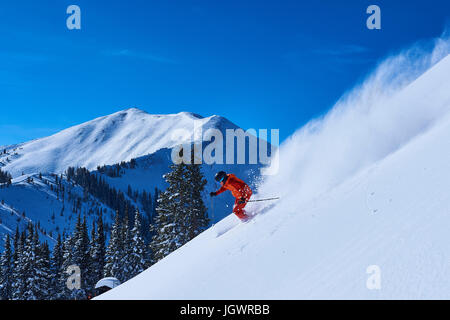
[[268, 199]]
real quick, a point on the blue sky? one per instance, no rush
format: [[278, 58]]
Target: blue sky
[[261, 64]]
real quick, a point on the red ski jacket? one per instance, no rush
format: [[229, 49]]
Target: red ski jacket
[[238, 188]]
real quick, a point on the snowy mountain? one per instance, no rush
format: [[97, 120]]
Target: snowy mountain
[[39, 168], [365, 195], [39, 199], [107, 140]]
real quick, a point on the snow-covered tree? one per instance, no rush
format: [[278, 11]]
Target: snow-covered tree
[[67, 254], [92, 267], [5, 177], [98, 252], [137, 255], [167, 226], [114, 252], [36, 267], [127, 252], [56, 269], [42, 289], [81, 257], [6, 261], [29, 264], [18, 274], [26, 264], [75, 251], [196, 217], [181, 213]]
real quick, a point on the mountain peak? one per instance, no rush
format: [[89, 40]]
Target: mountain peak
[[190, 115], [137, 111], [127, 111], [121, 136], [134, 110]]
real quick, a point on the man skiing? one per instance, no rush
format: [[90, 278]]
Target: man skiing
[[239, 189]]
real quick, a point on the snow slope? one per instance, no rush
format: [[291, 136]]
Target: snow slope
[[106, 140], [38, 201], [389, 207]]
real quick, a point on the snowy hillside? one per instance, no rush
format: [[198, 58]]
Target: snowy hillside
[[104, 141], [366, 186], [51, 203]]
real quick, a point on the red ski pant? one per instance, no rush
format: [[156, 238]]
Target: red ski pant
[[239, 204]]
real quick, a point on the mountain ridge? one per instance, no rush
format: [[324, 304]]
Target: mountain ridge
[[105, 140]]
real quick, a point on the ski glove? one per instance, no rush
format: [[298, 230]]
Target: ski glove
[[242, 200], [213, 194]]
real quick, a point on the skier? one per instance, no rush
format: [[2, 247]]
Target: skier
[[239, 189]]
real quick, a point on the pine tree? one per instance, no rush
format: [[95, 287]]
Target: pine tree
[[18, 275], [100, 247], [56, 270], [80, 257], [97, 252], [138, 253], [114, 252], [155, 202], [36, 267], [196, 218], [91, 276], [5, 177], [125, 265], [6, 261], [167, 227], [29, 264], [181, 213], [67, 254], [42, 271]]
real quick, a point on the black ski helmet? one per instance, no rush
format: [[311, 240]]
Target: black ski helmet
[[220, 176]]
